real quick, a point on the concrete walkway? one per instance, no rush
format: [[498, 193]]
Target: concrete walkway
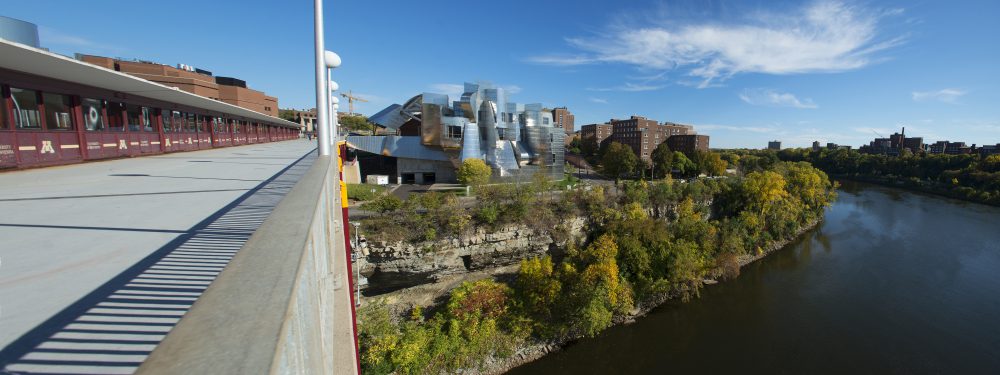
[[99, 261]]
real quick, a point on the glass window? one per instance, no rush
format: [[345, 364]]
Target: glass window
[[147, 118], [202, 123], [456, 132], [57, 111], [115, 121], [138, 117], [3, 113], [167, 119], [192, 122], [25, 104], [93, 117]]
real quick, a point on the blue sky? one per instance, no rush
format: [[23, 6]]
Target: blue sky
[[743, 72]]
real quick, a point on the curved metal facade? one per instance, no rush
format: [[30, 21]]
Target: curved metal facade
[[483, 124]]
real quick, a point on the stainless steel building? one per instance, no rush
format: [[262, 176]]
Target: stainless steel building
[[432, 136]]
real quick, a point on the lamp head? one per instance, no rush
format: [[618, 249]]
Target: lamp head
[[332, 59]]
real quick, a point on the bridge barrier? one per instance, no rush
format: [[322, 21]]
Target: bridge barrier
[[283, 304]]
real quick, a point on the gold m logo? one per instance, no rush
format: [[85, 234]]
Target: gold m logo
[[47, 148], [168, 142], [122, 145]]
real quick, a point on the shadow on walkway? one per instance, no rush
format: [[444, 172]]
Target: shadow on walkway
[[115, 327]]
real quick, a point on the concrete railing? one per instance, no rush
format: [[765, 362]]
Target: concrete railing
[[283, 304]]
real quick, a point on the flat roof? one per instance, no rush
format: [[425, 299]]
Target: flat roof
[[27, 59]]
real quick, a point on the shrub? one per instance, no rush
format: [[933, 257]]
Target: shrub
[[474, 172]]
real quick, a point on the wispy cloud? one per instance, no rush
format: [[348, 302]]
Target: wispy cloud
[[52, 37], [752, 129], [511, 89], [769, 97], [827, 36], [630, 87], [598, 100], [944, 95], [453, 90]]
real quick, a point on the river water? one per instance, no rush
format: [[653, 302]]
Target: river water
[[892, 282]]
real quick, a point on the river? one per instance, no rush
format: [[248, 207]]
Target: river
[[891, 282]]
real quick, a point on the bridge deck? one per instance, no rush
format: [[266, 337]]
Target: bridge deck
[[98, 261]]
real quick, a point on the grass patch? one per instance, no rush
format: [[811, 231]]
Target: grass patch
[[364, 192]]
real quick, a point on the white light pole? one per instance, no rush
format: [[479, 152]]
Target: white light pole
[[332, 61], [322, 108]]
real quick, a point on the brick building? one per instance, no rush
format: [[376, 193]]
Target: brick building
[[564, 119], [599, 132], [196, 81], [643, 135], [688, 143]]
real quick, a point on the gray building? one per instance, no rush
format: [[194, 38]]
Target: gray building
[[432, 136]]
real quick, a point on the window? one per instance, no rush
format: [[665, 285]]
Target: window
[[192, 122], [115, 121], [201, 122], [455, 131], [147, 118], [138, 117], [57, 111], [25, 104], [3, 113], [93, 114], [167, 120]]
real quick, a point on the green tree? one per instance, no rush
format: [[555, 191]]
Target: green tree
[[663, 159], [474, 172], [683, 165], [356, 123], [619, 160]]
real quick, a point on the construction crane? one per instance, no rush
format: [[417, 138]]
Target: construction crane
[[350, 101]]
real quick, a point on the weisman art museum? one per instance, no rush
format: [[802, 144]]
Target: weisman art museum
[[429, 136]]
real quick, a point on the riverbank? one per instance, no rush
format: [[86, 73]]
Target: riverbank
[[965, 194], [534, 350]]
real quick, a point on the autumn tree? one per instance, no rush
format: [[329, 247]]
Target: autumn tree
[[662, 159], [474, 172]]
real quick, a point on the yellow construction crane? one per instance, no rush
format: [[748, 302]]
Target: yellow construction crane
[[350, 101]]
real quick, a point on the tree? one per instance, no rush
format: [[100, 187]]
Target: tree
[[662, 159], [474, 172], [618, 160], [683, 165], [713, 165], [356, 123], [288, 115]]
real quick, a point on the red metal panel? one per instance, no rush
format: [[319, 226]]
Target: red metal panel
[[8, 150], [94, 142], [69, 148]]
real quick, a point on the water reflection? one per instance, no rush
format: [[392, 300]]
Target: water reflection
[[905, 283]]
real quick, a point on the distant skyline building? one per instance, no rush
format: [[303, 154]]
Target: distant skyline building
[[774, 145]]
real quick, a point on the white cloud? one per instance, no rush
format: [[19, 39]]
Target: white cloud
[[827, 36], [752, 129], [48, 36], [599, 100], [453, 90], [944, 95], [774, 98], [511, 89], [630, 87]]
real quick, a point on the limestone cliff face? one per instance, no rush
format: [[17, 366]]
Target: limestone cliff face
[[392, 266]]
